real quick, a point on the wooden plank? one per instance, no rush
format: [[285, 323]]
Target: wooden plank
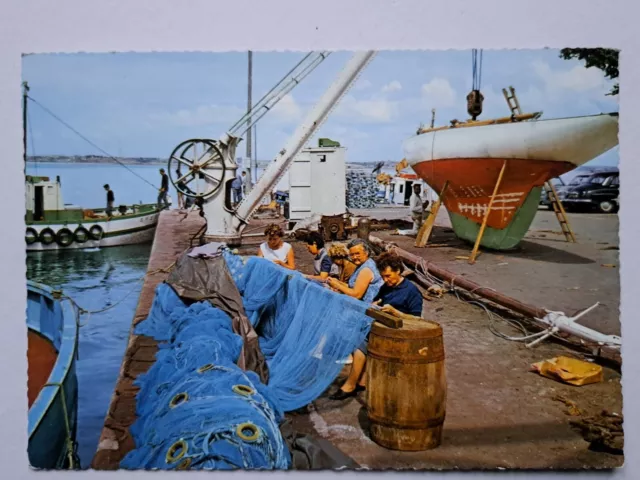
[[384, 318], [425, 231], [474, 252]]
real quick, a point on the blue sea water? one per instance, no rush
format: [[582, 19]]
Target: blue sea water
[[96, 279]]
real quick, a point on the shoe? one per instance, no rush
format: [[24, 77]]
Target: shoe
[[342, 395]]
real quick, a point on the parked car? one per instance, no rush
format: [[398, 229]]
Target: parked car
[[559, 185], [597, 190]]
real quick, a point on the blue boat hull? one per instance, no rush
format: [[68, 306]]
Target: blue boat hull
[[53, 416]]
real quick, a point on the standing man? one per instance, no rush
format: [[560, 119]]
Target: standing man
[[236, 186], [110, 199], [418, 207], [244, 183], [164, 189]]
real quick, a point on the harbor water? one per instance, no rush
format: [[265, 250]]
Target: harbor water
[[97, 279]]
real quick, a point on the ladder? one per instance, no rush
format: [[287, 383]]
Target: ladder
[[512, 101], [552, 195], [558, 209]]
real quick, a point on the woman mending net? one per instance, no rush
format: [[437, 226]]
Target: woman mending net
[[275, 249]]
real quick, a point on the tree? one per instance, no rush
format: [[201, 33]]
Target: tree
[[605, 59]]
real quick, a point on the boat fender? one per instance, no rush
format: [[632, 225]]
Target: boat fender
[[31, 236], [64, 237], [81, 235], [96, 232], [47, 236]]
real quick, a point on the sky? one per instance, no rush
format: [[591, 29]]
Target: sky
[[145, 104]]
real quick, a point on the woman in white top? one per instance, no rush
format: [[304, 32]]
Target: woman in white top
[[275, 250]]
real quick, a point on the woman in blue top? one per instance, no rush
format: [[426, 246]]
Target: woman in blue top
[[366, 281]]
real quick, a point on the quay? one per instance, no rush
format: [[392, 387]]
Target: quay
[[498, 414]]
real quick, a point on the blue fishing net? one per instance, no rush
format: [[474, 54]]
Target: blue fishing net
[[197, 410]]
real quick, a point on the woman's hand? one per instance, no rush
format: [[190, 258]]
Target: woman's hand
[[280, 262], [391, 311]]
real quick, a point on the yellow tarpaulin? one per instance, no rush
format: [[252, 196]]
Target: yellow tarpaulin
[[569, 370]]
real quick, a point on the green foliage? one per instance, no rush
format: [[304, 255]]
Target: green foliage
[[605, 59]]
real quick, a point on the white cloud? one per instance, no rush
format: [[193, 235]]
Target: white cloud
[[287, 110], [394, 86], [199, 116], [374, 110], [438, 93], [361, 84], [578, 79]]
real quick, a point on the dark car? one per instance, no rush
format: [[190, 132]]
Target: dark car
[[597, 190], [559, 185]]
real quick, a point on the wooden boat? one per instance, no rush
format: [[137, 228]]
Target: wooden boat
[[52, 383], [52, 225], [471, 155]]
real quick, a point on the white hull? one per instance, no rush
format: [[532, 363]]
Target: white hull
[[572, 140], [116, 232]]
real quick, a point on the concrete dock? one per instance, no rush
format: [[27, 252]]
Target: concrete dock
[[171, 239], [499, 414]]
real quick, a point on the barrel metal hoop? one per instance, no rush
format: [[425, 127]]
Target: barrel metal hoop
[[406, 360], [385, 422]]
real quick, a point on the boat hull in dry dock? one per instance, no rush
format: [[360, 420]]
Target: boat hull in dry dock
[[53, 385], [119, 231], [471, 158]]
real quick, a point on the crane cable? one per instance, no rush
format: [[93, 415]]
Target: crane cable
[[89, 141]]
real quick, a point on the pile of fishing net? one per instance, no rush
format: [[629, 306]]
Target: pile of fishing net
[[197, 409]]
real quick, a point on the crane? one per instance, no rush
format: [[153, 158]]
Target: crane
[[213, 162]]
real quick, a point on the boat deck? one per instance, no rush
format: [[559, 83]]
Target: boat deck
[[41, 358]]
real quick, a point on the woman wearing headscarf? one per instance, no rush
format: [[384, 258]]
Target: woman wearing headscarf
[[366, 281]]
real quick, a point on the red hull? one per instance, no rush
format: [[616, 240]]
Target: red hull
[[472, 180]]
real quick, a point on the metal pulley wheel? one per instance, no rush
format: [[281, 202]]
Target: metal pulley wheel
[[197, 159], [474, 103]]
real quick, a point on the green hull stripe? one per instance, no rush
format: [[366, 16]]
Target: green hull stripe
[[506, 238]]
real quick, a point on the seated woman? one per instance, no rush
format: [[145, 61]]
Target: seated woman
[[322, 264], [397, 297], [275, 250], [365, 281], [339, 255]]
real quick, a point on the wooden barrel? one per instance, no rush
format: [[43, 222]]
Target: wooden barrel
[[406, 385]]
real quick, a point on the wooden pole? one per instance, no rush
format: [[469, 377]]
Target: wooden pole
[[425, 231], [474, 252]]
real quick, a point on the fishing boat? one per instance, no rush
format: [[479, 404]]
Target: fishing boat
[[52, 225], [52, 384], [470, 156]]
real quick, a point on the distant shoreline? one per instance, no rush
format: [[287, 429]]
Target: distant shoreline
[[79, 160]]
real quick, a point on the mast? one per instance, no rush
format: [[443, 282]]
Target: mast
[[249, 91], [25, 92]]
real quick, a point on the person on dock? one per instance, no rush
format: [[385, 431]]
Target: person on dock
[[398, 297], [180, 184], [418, 207], [164, 189], [236, 187], [111, 198], [244, 183], [365, 281], [339, 255], [275, 249], [322, 264]]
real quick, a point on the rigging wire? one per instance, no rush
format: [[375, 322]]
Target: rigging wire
[[476, 69], [89, 141], [33, 147]]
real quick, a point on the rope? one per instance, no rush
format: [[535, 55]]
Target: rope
[[71, 453], [90, 142]]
